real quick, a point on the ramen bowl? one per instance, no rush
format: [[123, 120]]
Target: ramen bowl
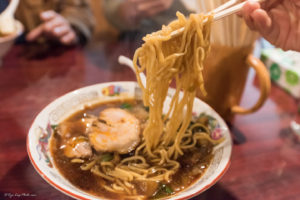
[[40, 134], [7, 41]]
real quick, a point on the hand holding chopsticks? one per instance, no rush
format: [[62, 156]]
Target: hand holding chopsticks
[[277, 21]]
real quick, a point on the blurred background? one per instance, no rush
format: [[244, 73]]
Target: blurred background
[[53, 47]]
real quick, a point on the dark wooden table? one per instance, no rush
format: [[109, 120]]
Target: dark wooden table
[[266, 155]]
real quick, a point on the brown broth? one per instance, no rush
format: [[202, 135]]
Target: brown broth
[[192, 166]]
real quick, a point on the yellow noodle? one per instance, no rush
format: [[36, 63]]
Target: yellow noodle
[[199, 125], [108, 164], [205, 136], [88, 166], [77, 160], [95, 170], [122, 185], [164, 59], [169, 58]]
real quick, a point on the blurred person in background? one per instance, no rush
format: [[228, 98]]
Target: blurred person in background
[[67, 22], [142, 16]]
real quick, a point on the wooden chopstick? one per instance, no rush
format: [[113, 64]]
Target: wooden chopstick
[[221, 14], [224, 6], [230, 10]]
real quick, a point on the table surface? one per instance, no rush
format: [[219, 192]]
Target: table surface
[[265, 162]]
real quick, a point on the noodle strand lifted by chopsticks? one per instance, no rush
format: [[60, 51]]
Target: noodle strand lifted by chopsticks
[[165, 59], [165, 137]]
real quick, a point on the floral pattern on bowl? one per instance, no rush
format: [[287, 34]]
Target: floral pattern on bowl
[[43, 145], [113, 90]]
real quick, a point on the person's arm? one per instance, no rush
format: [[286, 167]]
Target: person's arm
[[278, 21], [127, 14], [110, 9], [79, 14], [71, 23], [53, 26]]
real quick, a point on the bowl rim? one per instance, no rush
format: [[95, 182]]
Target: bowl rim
[[71, 194], [20, 30]]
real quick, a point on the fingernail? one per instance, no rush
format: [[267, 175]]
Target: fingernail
[[269, 22], [57, 30], [46, 14]]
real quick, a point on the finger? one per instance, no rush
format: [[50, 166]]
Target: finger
[[35, 33], [47, 15], [68, 39], [247, 10], [60, 31], [147, 6], [262, 21], [54, 22], [280, 28], [143, 1], [153, 11]]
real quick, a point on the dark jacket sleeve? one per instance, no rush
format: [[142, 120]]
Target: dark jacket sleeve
[[147, 25], [111, 9]]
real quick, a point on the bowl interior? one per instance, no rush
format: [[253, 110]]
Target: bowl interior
[[40, 133]]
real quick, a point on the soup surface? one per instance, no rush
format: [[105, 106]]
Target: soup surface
[[78, 157]]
